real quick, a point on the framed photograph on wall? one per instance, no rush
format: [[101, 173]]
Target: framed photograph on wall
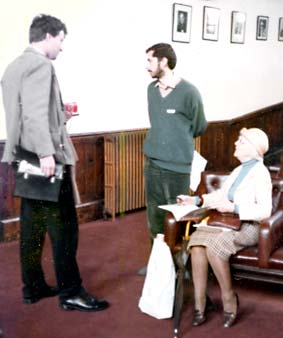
[[238, 27], [181, 26], [262, 27], [211, 18], [280, 30]]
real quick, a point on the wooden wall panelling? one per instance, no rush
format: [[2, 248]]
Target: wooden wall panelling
[[90, 176], [214, 143], [217, 143], [9, 205]]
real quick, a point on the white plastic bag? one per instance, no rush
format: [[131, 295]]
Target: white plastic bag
[[158, 292]]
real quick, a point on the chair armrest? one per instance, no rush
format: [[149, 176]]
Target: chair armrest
[[270, 237], [175, 231], [172, 230]]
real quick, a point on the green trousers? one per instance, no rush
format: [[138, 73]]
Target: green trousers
[[161, 187]]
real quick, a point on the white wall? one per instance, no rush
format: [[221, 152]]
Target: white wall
[[102, 66]]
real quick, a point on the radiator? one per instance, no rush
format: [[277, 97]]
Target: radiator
[[123, 172]]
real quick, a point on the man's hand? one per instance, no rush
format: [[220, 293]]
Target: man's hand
[[68, 114], [47, 165]]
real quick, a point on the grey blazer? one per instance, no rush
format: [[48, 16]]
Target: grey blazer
[[34, 110]]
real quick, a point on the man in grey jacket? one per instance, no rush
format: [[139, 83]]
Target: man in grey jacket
[[36, 120]]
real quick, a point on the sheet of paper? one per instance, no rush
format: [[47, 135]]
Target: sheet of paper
[[178, 210], [198, 165]]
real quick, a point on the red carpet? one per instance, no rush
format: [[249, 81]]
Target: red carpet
[[109, 255]]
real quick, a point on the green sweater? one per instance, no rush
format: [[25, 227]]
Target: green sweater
[[175, 120]]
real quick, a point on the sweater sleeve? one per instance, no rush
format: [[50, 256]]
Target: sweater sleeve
[[199, 122]]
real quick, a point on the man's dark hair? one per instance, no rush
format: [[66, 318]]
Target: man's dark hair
[[164, 50], [43, 24]]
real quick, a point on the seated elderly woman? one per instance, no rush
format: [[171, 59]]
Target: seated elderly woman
[[247, 192]]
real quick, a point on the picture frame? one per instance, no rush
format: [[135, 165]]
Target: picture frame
[[181, 23], [280, 29], [211, 19], [238, 27], [262, 27]]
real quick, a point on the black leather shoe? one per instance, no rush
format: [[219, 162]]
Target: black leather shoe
[[83, 302], [44, 293], [229, 318]]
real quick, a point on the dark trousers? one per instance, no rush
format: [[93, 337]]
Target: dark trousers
[[161, 187], [59, 220]]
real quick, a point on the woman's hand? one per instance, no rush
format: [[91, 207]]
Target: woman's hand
[[223, 205], [186, 199]]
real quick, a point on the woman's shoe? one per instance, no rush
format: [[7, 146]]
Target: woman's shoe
[[199, 317], [229, 318]]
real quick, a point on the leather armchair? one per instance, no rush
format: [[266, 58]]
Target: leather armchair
[[263, 262]]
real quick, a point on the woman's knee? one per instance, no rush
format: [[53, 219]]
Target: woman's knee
[[198, 253]]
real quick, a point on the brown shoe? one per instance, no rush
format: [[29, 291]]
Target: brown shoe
[[200, 317], [229, 318]]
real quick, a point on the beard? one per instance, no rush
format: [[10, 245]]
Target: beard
[[158, 73]]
